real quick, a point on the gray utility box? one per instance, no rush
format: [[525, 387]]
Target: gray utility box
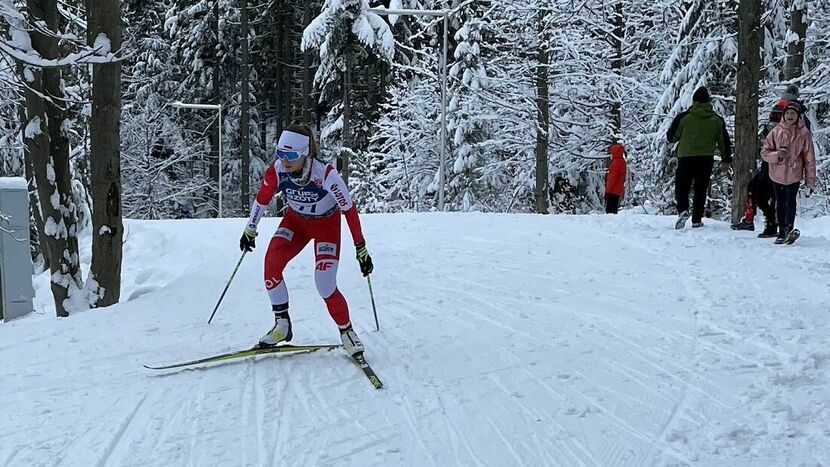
[[16, 292]]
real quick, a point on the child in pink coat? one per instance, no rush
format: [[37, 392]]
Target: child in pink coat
[[789, 151]]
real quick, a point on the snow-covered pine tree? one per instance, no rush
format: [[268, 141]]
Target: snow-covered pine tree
[[347, 36], [468, 121], [816, 91]]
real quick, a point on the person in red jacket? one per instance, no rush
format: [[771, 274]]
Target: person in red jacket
[[615, 179]]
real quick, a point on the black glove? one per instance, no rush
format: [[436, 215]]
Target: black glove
[[248, 240], [366, 266]]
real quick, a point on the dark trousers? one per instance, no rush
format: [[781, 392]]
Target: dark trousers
[[785, 204], [761, 192], [612, 203], [693, 171]]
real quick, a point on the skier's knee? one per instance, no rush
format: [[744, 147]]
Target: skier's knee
[[325, 277]]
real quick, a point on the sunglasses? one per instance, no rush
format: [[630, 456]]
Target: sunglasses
[[289, 155]]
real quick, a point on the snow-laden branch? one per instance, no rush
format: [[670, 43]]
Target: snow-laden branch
[[19, 44]]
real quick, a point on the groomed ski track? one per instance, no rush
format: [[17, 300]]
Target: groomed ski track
[[505, 340]]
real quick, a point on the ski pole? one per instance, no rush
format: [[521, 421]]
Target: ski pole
[[374, 309], [226, 286]]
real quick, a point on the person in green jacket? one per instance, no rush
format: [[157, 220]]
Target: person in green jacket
[[698, 132]]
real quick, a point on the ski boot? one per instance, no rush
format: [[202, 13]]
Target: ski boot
[[281, 331], [351, 343]]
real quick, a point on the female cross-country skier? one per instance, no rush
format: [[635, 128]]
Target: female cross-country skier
[[316, 194]]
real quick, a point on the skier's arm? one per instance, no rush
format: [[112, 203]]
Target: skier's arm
[[337, 187], [270, 182]]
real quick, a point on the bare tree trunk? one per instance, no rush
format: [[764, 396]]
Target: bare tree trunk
[[214, 169], [750, 40], [263, 130], [307, 101], [104, 282], [616, 68], [49, 148], [343, 158], [39, 243], [287, 71], [279, 79], [542, 127], [795, 50], [245, 116]]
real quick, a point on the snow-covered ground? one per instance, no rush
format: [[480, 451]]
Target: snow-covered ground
[[505, 340]]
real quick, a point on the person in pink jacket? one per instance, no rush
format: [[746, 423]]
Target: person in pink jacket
[[789, 151]]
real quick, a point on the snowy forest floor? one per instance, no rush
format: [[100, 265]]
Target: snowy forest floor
[[505, 340]]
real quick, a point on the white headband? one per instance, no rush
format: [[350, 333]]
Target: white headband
[[290, 141]]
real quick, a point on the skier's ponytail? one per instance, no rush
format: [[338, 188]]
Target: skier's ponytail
[[305, 130]]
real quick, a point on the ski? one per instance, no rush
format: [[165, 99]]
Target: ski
[[360, 360], [793, 236], [255, 350]]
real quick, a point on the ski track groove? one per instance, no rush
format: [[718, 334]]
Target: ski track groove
[[119, 436], [309, 400], [552, 419], [197, 404], [279, 435], [678, 409], [614, 419], [504, 440], [482, 316], [256, 412], [14, 452], [413, 428], [539, 445], [365, 445], [657, 353], [453, 429], [761, 345], [556, 394], [167, 423]]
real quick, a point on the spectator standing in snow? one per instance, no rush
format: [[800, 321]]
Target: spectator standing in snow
[[698, 131], [615, 179], [760, 189], [789, 151]]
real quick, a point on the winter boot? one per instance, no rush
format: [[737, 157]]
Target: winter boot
[[281, 332], [745, 225], [351, 343], [697, 225], [782, 235], [770, 230], [681, 220], [792, 236]]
